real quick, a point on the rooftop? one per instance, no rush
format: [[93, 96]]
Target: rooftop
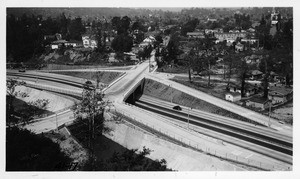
[[280, 89], [194, 33], [233, 93], [59, 41], [256, 72]]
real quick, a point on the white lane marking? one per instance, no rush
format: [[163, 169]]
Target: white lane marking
[[236, 152], [249, 156]]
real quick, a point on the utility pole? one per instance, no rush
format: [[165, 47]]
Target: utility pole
[[149, 64], [188, 117], [56, 122], [270, 104], [93, 117]]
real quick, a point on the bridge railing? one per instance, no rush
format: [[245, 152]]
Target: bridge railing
[[127, 93], [201, 146], [115, 81], [47, 88]]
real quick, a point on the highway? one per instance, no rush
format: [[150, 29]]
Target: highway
[[263, 140], [163, 78], [118, 90]]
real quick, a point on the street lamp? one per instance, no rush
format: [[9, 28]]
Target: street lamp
[[56, 122], [270, 104], [189, 117]]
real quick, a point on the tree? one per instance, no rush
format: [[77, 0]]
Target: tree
[[171, 51], [194, 61], [131, 160], [208, 54], [90, 110], [98, 75], [11, 85], [137, 25], [121, 25], [122, 43], [189, 26], [76, 28], [239, 63]]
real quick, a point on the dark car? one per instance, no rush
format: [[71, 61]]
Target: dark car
[[177, 108], [22, 70]]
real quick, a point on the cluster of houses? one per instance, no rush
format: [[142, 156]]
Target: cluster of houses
[[276, 95], [228, 37], [88, 41]]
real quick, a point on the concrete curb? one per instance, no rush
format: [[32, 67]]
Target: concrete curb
[[112, 83]]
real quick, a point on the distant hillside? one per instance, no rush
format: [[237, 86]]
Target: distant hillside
[[85, 13]]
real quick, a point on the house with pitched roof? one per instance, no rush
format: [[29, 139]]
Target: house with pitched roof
[[258, 102], [248, 89], [280, 94], [57, 44], [195, 35]]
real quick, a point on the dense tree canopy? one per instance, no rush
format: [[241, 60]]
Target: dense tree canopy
[[189, 26], [122, 43], [121, 25], [25, 35], [26, 151]]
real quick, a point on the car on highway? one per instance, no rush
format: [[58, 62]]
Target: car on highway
[[22, 70], [178, 108]]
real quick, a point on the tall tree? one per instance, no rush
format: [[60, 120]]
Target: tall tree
[[11, 93], [76, 28], [122, 43]]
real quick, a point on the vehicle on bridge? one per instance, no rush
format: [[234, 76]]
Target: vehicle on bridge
[[178, 108]]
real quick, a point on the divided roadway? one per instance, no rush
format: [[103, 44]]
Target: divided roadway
[[222, 125]]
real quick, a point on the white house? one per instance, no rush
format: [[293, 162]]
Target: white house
[[149, 39], [233, 96], [89, 41], [57, 44], [239, 47], [73, 43]]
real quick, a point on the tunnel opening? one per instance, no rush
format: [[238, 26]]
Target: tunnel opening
[[136, 93]]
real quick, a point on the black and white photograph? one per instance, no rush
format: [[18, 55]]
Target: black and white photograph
[[147, 89]]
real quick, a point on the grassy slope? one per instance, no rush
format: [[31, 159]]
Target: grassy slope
[[164, 92], [105, 77]]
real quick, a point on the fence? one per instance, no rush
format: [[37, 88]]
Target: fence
[[67, 92], [200, 146], [115, 81], [50, 67]]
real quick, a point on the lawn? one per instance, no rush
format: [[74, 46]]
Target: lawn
[[105, 77]]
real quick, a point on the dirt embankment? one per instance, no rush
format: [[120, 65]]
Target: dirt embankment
[[164, 92]]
